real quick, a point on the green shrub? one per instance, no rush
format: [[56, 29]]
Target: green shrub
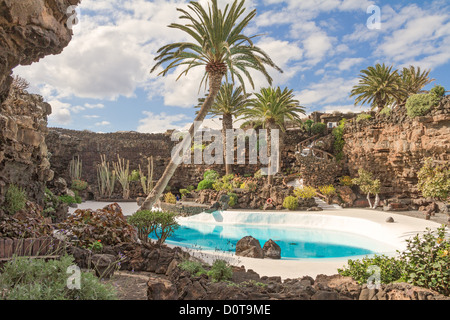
[[420, 104], [195, 268], [190, 188], [233, 199], [346, 181], [318, 128], [170, 198], [160, 224], [220, 271], [69, 199], [134, 176], [434, 181], [305, 193], [290, 203], [363, 117], [386, 111], [427, 260], [339, 142], [438, 91], [167, 225], [205, 185], [210, 175], [424, 263], [390, 269], [184, 192], [36, 279], [328, 190], [222, 186], [15, 199], [145, 222], [79, 185]]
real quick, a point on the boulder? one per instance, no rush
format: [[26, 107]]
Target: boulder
[[249, 247], [104, 265], [272, 250], [161, 289]]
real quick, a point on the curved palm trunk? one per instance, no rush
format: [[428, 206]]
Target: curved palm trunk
[[215, 80], [227, 124]]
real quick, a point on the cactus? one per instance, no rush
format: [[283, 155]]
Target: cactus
[[106, 178], [122, 168], [147, 182], [75, 168]]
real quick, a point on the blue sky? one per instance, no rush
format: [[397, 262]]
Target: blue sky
[[101, 81]]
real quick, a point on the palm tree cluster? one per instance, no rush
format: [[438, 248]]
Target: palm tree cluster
[[382, 86], [219, 46]]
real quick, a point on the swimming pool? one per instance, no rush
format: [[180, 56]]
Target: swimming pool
[[300, 240]]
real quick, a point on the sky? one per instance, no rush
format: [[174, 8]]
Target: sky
[[102, 82]]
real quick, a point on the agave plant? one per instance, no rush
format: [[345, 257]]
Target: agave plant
[[378, 86], [222, 49]]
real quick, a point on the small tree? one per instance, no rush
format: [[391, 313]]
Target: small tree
[[434, 181], [369, 186]]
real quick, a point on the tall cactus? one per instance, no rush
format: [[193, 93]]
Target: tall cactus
[[147, 182], [106, 178], [122, 168], [75, 168]]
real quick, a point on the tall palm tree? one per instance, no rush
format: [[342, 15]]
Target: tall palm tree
[[378, 86], [229, 103], [219, 46], [413, 81], [270, 109]]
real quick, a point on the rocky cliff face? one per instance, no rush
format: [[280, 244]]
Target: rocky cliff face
[[23, 152], [394, 150], [30, 30]]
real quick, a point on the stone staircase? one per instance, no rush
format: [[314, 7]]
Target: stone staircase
[[322, 204]]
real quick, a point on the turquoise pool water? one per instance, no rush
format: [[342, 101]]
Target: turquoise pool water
[[295, 243]]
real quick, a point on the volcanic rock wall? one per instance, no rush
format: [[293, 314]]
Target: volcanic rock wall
[[394, 150], [23, 152], [30, 30]]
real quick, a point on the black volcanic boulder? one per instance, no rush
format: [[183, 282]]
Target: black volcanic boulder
[[249, 247], [272, 250]]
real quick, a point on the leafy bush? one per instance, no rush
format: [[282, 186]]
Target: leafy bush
[[318, 128], [205, 185], [250, 185], [210, 175], [434, 181], [290, 203], [363, 117], [233, 199], [36, 279], [424, 263], [166, 225], [15, 199], [427, 260], [27, 227], [193, 267], [79, 185], [346, 181], [339, 142], [134, 176], [222, 186], [69, 199], [390, 269], [108, 225], [170, 198], [220, 271], [305, 193], [386, 111], [190, 188], [420, 104], [184, 192], [145, 222], [438, 91], [328, 190]]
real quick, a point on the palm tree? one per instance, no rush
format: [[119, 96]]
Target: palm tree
[[378, 86], [219, 46], [228, 104], [413, 81], [270, 109]]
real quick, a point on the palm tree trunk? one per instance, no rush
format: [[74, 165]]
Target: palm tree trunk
[[227, 124], [215, 80], [271, 126]]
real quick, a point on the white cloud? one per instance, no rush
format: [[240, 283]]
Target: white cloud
[[102, 123], [160, 123], [348, 63], [60, 113]]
